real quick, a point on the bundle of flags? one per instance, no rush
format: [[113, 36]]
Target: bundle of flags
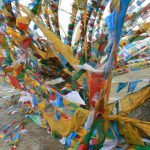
[[35, 52]]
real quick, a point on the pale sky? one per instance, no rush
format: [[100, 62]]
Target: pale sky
[[1, 3]]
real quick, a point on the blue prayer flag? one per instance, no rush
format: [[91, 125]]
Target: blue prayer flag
[[132, 86], [121, 86]]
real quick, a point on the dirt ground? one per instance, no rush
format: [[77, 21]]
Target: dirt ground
[[37, 138]]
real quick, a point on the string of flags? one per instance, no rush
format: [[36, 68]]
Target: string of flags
[[131, 85]]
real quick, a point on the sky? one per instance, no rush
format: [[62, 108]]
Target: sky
[[1, 4]]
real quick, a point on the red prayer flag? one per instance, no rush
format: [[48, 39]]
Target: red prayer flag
[[23, 26], [83, 147], [52, 97], [1, 60], [96, 83], [15, 82], [26, 42]]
